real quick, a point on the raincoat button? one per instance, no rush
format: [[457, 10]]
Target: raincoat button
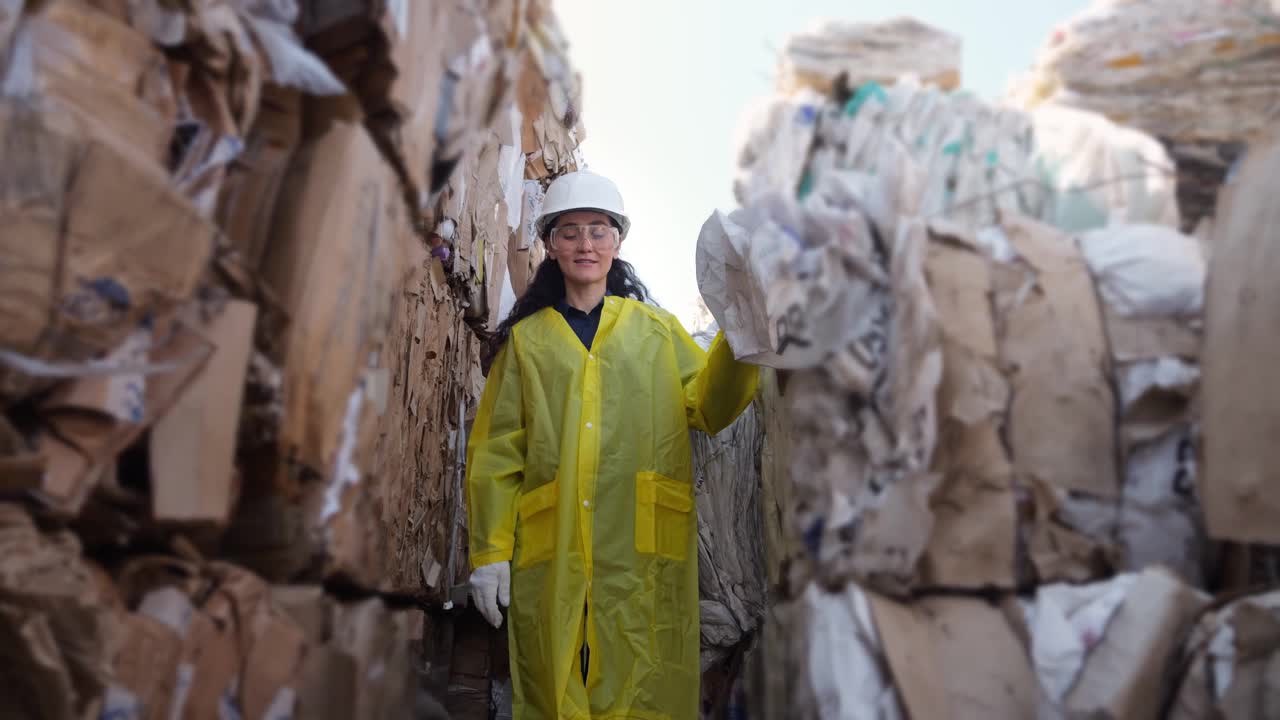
[[586, 503], [591, 356], [588, 425]]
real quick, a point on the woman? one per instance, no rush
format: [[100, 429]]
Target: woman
[[579, 474]]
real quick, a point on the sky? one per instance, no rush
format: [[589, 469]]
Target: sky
[[666, 83]]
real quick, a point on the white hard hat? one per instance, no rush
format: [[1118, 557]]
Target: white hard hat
[[582, 191]]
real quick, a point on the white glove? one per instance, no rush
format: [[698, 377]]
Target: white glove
[[490, 585]]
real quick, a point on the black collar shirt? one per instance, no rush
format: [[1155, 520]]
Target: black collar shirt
[[584, 324]]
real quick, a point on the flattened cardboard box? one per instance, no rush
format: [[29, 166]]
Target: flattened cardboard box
[[1127, 673], [1239, 487], [955, 658], [335, 263], [192, 449], [1054, 347]]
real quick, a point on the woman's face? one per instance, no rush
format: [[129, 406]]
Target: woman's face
[[584, 244]]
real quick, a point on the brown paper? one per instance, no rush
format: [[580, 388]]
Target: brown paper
[[192, 448], [247, 199], [1238, 487], [213, 665], [147, 665], [975, 530], [91, 420], [58, 623], [376, 638], [1231, 662], [273, 662], [1056, 552], [1052, 344], [955, 658], [309, 607], [1134, 339], [328, 686], [98, 237], [29, 649], [109, 74], [1127, 674]]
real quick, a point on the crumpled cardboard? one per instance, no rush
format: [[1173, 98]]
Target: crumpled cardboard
[[1107, 650], [1054, 349], [237, 648], [1241, 498], [27, 644], [87, 422], [97, 237], [145, 670], [1229, 664], [357, 662], [975, 529], [392, 57], [855, 654], [247, 196], [995, 526], [59, 628], [97, 67]]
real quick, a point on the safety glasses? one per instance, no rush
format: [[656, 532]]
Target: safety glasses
[[600, 237]]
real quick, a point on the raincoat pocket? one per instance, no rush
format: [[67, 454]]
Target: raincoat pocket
[[664, 510], [536, 534]]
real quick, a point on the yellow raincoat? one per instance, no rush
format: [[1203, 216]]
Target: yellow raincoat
[[579, 472]]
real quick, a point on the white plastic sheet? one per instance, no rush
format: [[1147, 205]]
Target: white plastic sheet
[[791, 284], [1096, 173], [1065, 623], [1147, 270], [846, 670], [774, 146]]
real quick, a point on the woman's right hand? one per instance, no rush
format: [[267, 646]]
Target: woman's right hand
[[491, 586]]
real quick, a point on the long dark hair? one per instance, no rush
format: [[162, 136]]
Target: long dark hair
[[547, 290]]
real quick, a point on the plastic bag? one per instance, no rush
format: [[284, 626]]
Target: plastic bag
[[790, 285], [1097, 173], [291, 64], [774, 146], [1147, 270]]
